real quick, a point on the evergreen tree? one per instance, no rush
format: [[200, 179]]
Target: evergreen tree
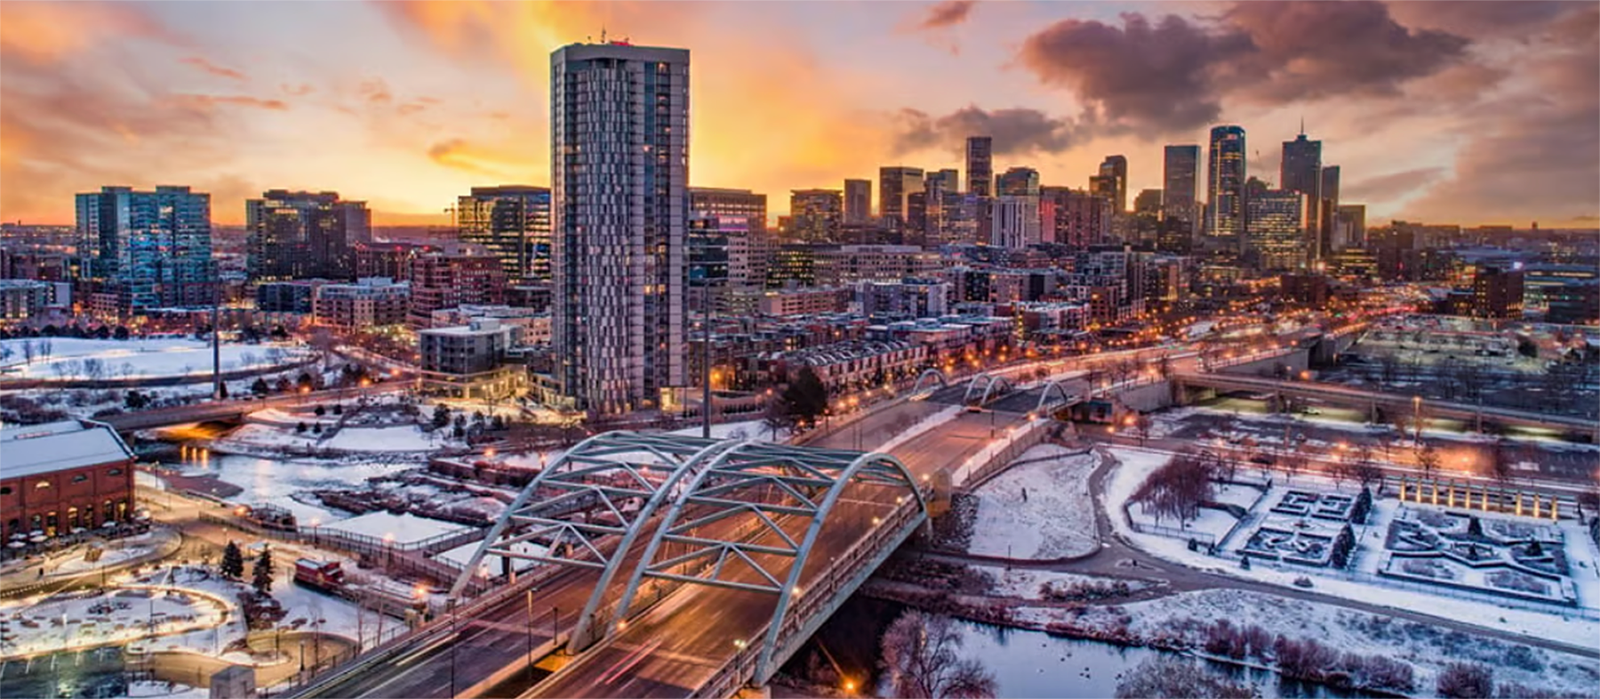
[[261, 576], [321, 411], [223, 390], [807, 397], [259, 387], [441, 416], [232, 561]]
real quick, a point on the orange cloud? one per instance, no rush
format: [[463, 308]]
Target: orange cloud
[[47, 31], [214, 69], [208, 102]]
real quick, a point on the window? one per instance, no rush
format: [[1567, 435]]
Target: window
[[5, 490], [114, 472], [80, 478], [41, 485]]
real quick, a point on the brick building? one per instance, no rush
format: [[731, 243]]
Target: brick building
[[63, 475]]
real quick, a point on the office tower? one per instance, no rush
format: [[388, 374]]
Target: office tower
[[980, 166], [1180, 173], [296, 235], [1328, 185], [1497, 292], [723, 203], [710, 260], [1073, 217], [1225, 184], [1351, 227], [1016, 221], [815, 215], [1301, 169], [1326, 214], [895, 184], [857, 202], [1276, 235], [1105, 187], [620, 203], [1116, 166], [1148, 202], [149, 249], [511, 222], [946, 180], [1018, 182]]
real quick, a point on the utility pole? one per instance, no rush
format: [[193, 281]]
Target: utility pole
[[216, 338]]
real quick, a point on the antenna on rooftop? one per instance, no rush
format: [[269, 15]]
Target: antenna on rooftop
[[1302, 124], [602, 33]]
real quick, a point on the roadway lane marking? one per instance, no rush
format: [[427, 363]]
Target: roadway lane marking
[[630, 660]]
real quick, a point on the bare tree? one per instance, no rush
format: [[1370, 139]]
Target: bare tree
[[29, 351], [1293, 461], [1166, 677], [1427, 459], [1142, 425], [94, 369], [919, 660], [1365, 470], [1177, 488], [1502, 460]]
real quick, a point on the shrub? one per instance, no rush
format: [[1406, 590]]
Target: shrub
[[1465, 681]]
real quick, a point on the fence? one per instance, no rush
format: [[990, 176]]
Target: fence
[[1200, 538]]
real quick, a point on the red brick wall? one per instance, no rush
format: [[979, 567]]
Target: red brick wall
[[87, 488]]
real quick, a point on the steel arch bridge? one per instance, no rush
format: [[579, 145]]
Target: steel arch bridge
[[753, 497], [1063, 398], [944, 381], [988, 382]]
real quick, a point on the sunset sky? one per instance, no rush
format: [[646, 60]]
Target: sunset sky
[[1463, 112]]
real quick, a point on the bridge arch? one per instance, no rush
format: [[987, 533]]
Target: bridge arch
[[1001, 380], [1044, 395], [780, 484], [622, 475], [935, 373]]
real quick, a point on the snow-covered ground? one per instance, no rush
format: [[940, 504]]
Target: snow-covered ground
[[384, 439], [111, 554], [277, 481], [402, 529], [1428, 648], [1136, 464], [747, 429], [1038, 510], [156, 689], [134, 358], [491, 564], [83, 620], [1026, 583]]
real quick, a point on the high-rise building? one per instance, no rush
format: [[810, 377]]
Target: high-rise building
[[1276, 238], [1497, 292], [1225, 184], [724, 203], [1301, 169], [1116, 166], [815, 215], [1073, 217], [1016, 221], [980, 166], [1148, 202], [149, 249], [857, 202], [946, 180], [1018, 182], [512, 222], [294, 235], [709, 261], [1350, 227], [895, 185], [1327, 220], [620, 132], [445, 281], [1180, 172]]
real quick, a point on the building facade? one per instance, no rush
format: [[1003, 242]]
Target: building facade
[[857, 202], [980, 166], [1277, 237], [64, 475], [1115, 167], [1225, 213], [896, 184], [512, 223], [368, 303], [298, 235], [443, 281], [1180, 172], [815, 215], [147, 249], [470, 361], [620, 127]]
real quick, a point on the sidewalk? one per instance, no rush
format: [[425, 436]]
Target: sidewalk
[[23, 577]]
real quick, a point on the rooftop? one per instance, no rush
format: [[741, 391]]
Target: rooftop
[[30, 450]]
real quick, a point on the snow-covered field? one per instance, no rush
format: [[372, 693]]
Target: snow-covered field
[[276, 481], [402, 529], [77, 620], [156, 689], [111, 554], [135, 358], [384, 439], [747, 429], [1039, 510], [1026, 583], [1136, 464]]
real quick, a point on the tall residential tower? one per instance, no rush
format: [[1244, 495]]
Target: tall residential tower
[[980, 166], [619, 135], [1225, 185]]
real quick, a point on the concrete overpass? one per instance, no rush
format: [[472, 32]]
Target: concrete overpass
[[1370, 401], [237, 408]]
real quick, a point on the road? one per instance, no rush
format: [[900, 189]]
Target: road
[[674, 649]]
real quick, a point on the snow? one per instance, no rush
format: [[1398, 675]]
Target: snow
[[1570, 627], [491, 564], [748, 429], [276, 481], [1427, 647], [1025, 583], [404, 528], [79, 620], [1056, 520], [146, 357], [382, 439], [156, 689], [926, 424], [112, 553]]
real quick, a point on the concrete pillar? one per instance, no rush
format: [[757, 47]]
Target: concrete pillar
[[1450, 495], [1555, 508], [1435, 493], [1536, 505], [1519, 503], [1402, 491]]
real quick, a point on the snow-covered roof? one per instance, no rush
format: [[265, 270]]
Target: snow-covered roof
[[30, 450]]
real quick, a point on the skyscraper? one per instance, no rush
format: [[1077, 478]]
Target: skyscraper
[[151, 249], [1327, 213], [513, 223], [1350, 229], [744, 204], [857, 202], [295, 235], [1018, 182], [815, 214], [1278, 221], [895, 184], [1225, 184], [1073, 217], [620, 202], [1116, 166], [980, 166], [946, 180], [1015, 221], [1180, 172], [1301, 170]]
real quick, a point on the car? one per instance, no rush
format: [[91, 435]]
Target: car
[[974, 408], [1263, 459]]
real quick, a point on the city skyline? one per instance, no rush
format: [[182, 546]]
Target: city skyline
[[206, 95]]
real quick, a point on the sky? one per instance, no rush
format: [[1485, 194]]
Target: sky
[[1443, 112]]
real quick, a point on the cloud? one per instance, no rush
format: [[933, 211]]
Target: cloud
[[208, 102], [946, 14], [1483, 19], [1015, 131], [1174, 74], [459, 154], [1390, 187], [214, 69], [46, 32], [299, 90]]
